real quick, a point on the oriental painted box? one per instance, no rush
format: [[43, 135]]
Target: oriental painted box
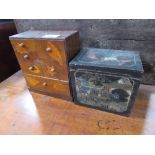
[[106, 79]]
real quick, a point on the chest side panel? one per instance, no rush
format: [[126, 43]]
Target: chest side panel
[[72, 45]]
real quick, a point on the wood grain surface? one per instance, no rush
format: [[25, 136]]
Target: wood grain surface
[[55, 88], [22, 112], [41, 60]]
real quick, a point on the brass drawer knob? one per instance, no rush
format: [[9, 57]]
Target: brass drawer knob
[[26, 56], [21, 45], [48, 49], [44, 84], [31, 68], [52, 69]]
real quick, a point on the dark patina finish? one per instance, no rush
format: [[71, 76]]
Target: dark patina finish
[[106, 79]]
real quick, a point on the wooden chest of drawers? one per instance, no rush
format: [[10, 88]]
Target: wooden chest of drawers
[[43, 57]]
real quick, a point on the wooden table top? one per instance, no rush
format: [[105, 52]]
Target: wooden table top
[[24, 112]]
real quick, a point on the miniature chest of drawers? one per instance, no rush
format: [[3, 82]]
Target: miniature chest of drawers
[[43, 57], [106, 79]]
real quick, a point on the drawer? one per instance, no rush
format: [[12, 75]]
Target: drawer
[[24, 50], [42, 57], [27, 56], [51, 50], [34, 68], [53, 87], [52, 69]]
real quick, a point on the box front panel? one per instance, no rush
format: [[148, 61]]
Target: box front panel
[[106, 92]]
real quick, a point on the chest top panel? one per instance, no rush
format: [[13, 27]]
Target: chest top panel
[[109, 59], [53, 35]]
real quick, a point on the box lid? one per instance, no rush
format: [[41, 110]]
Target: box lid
[[109, 60], [54, 35]]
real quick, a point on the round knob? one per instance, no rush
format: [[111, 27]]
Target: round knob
[[21, 44], [44, 84], [48, 49], [52, 69], [31, 68], [26, 56]]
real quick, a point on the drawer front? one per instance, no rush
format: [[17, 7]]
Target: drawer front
[[27, 57], [42, 57], [51, 69], [34, 68], [53, 87], [24, 50], [51, 50]]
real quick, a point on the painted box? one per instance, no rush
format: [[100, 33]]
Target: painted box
[[106, 79]]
